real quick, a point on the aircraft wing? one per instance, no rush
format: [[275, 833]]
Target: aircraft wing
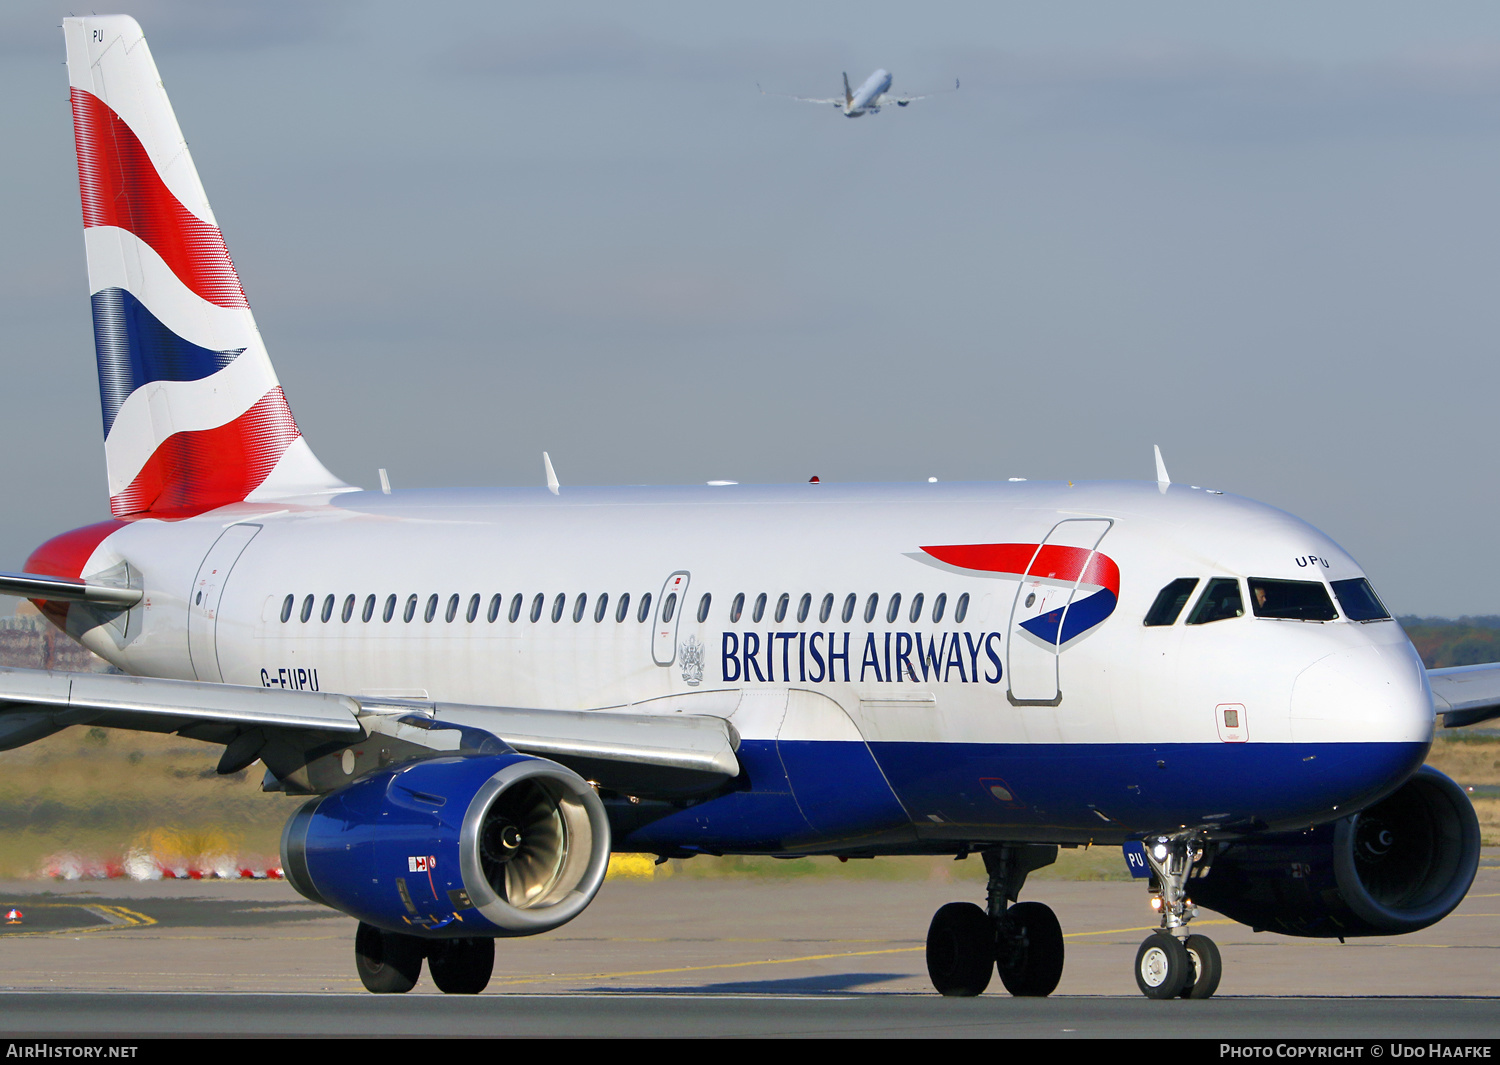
[[1466, 695], [902, 101], [837, 101], [302, 735]]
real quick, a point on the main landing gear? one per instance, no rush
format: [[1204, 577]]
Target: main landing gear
[[1022, 942], [391, 963], [1171, 963]]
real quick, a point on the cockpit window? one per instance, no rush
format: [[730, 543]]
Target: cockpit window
[[1291, 600], [1170, 601], [1220, 600], [1359, 600]]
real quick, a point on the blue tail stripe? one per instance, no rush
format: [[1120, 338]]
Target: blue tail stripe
[[134, 349]]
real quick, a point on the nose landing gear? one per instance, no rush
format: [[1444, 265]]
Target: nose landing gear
[[1171, 963], [1022, 942]]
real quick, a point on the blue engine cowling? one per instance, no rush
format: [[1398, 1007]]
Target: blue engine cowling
[[1394, 867], [468, 845]]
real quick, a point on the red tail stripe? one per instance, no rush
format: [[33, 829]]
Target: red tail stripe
[[197, 471], [120, 187]]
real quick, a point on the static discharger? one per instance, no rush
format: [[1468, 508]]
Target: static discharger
[[552, 485], [1162, 480]]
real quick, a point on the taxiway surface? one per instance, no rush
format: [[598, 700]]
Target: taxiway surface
[[699, 957]]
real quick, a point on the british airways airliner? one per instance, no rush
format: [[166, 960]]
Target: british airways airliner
[[484, 693], [868, 99]]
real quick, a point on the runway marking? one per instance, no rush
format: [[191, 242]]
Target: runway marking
[[115, 917], [1143, 928], [777, 961]]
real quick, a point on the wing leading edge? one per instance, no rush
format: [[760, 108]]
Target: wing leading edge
[[312, 742]]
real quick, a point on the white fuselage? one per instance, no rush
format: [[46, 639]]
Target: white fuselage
[[867, 98], [910, 688]]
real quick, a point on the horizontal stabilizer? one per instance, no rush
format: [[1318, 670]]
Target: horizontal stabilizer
[[65, 590], [1466, 695]]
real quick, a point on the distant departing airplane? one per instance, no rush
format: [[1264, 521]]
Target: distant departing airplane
[[868, 99]]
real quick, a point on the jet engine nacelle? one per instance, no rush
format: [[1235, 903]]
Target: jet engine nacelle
[[464, 846], [1394, 867]]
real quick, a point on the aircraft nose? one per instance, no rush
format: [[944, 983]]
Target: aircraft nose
[[1376, 694]]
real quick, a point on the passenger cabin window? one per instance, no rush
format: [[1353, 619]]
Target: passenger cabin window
[[452, 611], [961, 609], [348, 611], [1220, 600], [536, 607], [1359, 600], [870, 605], [736, 607], [644, 613], [803, 606], [916, 608], [558, 606], [431, 611], [579, 606], [515, 608], [1291, 600], [496, 602], [669, 608], [623, 610], [601, 607], [893, 610], [307, 607], [937, 607], [826, 610], [703, 607], [473, 611], [1170, 601], [286, 608], [390, 608], [369, 611], [760, 608], [411, 608], [781, 607]]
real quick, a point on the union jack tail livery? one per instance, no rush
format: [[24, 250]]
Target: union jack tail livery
[[194, 417]]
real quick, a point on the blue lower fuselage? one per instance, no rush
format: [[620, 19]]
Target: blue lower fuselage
[[832, 797]]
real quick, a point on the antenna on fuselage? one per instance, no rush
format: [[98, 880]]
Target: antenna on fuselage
[[1162, 480], [552, 485]]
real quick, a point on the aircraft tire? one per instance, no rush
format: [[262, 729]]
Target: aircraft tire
[[461, 966], [960, 950], [388, 963], [1029, 952], [1207, 967], [1162, 966]]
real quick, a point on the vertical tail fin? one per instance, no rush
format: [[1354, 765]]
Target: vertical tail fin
[[194, 416], [848, 96]]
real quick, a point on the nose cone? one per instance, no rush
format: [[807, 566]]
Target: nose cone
[[1372, 694]]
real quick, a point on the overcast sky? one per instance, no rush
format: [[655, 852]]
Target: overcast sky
[[1265, 237]]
